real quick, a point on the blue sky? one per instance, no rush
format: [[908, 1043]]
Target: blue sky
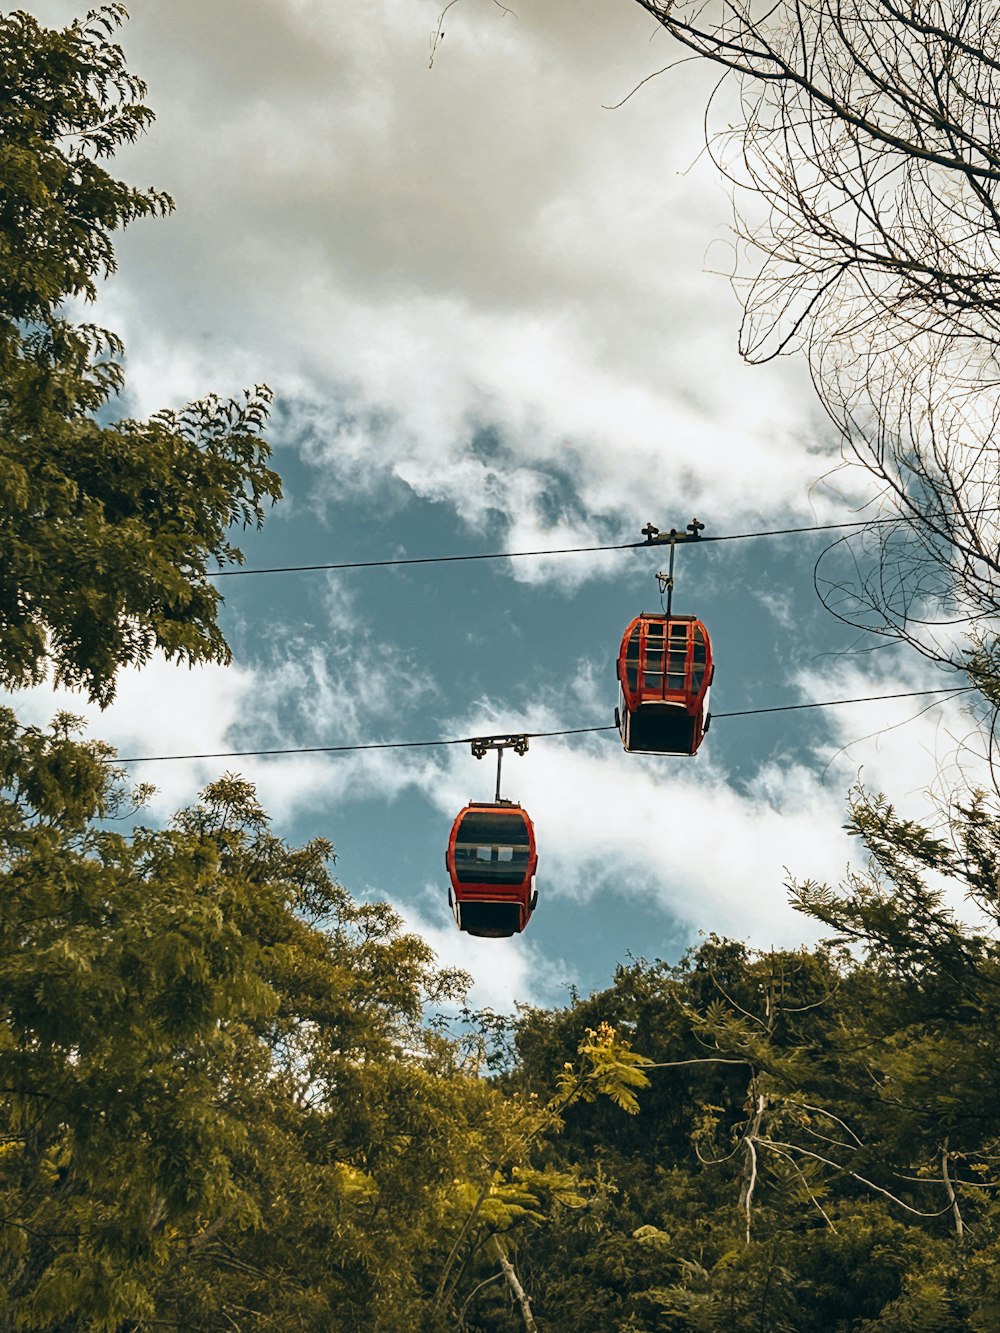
[[495, 316]]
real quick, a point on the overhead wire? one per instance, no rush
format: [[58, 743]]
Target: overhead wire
[[557, 550], [531, 735], [661, 540], [360, 745], [837, 703]]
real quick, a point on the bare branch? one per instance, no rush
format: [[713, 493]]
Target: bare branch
[[863, 1180], [950, 1191], [517, 1291]]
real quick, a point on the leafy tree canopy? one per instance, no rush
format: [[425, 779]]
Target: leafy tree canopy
[[220, 1103], [819, 1141], [109, 529], [203, 1037]]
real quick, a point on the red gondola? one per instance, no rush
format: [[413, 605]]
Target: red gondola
[[665, 670], [491, 859]]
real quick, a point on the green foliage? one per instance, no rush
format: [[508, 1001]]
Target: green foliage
[[219, 1099], [608, 1067], [807, 1115], [218, 1094], [109, 530], [66, 102], [222, 1103]]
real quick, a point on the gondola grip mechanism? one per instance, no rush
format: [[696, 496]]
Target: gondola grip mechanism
[[654, 537]]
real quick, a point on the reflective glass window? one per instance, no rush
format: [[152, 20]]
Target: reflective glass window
[[632, 659], [489, 826], [490, 865], [491, 848]]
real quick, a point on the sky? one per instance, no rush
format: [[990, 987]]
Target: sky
[[496, 316]]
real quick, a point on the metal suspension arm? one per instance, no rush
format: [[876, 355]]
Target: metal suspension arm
[[654, 537], [481, 745]]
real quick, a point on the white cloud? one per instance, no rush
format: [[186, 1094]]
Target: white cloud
[[914, 749], [505, 972], [714, 853], [426, 252], [678, 833], [670, 830], [779, 603], [303, 693]]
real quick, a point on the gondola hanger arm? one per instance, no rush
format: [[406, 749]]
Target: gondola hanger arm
[[673, 538], [481, 745]]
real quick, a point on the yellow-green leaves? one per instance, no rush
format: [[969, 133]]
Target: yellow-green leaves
[[194, 1078], [608, 1067], [109, 531]]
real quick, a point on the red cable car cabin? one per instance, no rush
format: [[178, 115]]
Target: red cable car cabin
[[665, 670], [491, 859]]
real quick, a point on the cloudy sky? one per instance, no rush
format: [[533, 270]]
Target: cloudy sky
[[495, 315]]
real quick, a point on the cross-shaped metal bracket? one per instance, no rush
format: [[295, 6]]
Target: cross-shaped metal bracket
[[654, 537], [481, 745]]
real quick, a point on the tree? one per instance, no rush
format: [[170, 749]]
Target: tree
[[121, 972], [109, 529], [870, 131], [818, 1144], [515, 1194], [867, 137], [218, 1100]]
